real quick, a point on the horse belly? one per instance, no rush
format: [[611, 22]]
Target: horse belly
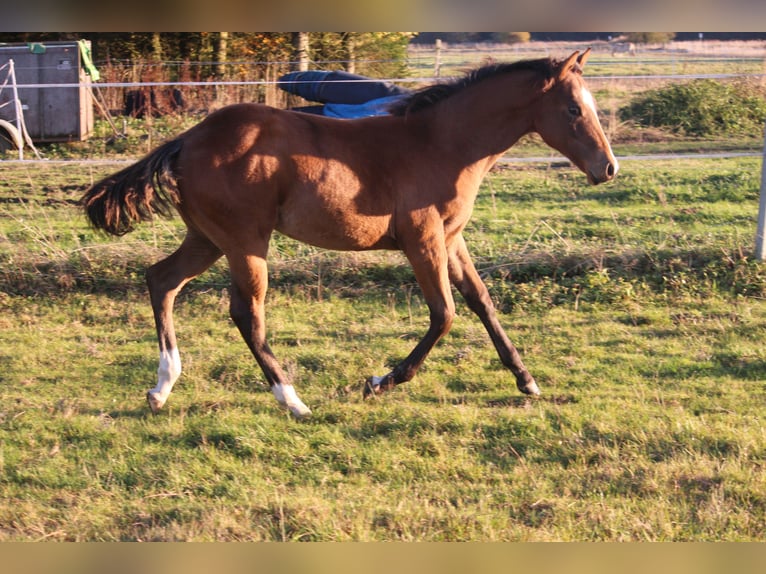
[[330, 205], [337, 228]]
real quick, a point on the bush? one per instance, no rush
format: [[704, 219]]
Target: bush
[[517, 37], [701, 108], [650, 37]]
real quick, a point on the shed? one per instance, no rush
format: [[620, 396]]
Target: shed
[[55, 113]]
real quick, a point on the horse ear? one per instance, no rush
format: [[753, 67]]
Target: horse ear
[[567, 66], [582, 58]]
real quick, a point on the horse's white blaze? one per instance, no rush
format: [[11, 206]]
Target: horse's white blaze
[[167, 374], [286, 395], [589, 101]]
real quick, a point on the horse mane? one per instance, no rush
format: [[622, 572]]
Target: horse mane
[[430, 95]]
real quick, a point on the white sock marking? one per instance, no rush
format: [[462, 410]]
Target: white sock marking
[[167, 373], [286, 395]]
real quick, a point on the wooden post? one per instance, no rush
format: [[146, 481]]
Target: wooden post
[[760, 244], [438, 59], [17, 106]]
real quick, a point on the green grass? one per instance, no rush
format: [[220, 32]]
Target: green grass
[[636, 305]]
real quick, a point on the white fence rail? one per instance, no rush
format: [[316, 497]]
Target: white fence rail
[[418, 80]]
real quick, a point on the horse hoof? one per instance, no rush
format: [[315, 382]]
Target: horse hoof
[[377, 386], [288, 398], [155, 402], [300, 412], [527, 385], [371, 387]]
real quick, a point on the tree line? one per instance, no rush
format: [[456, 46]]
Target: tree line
[[218, 54]]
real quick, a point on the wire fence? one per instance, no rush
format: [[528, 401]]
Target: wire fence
[[203, 85], [141, 89], [157, 92], [411, 80], [167, 96]]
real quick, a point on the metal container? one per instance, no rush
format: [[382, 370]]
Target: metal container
[[55, 113]]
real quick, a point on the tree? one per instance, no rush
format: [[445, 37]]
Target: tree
[[301, 46], [156, 47], [348, 42], [518, 37], [221, 53], [375, 54]]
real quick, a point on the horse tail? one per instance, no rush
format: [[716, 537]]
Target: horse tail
[[136, 193]]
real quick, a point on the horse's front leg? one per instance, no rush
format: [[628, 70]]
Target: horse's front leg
[[464, 276], [429, 261], [249, 283]]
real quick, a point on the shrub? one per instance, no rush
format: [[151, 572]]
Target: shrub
[[517, 37], [700, 108], [650, 37]]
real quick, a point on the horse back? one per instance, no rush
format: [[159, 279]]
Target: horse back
[[332, 183]]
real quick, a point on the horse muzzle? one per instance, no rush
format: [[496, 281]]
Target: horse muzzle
[[604, 172]]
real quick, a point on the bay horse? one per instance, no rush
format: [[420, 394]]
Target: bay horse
[[406, 181]]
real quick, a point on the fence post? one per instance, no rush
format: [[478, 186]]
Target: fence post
[[438, 58], [17, 106], [760, 247]]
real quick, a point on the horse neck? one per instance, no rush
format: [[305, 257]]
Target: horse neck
[[483, 121]]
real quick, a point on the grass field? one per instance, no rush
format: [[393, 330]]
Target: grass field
[[636, 305], [709, 57]]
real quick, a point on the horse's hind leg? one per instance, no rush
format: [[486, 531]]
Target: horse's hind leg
[[465, 278], [249, 283], [165, 279]]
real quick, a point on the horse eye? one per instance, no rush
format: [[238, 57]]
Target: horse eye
[[575, 111]]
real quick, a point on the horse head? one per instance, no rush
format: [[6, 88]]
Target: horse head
[[567, 120]]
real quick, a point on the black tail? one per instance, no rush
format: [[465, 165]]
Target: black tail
[[136, 193]]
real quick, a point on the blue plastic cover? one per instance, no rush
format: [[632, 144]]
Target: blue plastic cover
[[378, 107], [337, 87]]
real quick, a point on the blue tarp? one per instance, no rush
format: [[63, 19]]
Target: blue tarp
[[378, 107], [344, 95]]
